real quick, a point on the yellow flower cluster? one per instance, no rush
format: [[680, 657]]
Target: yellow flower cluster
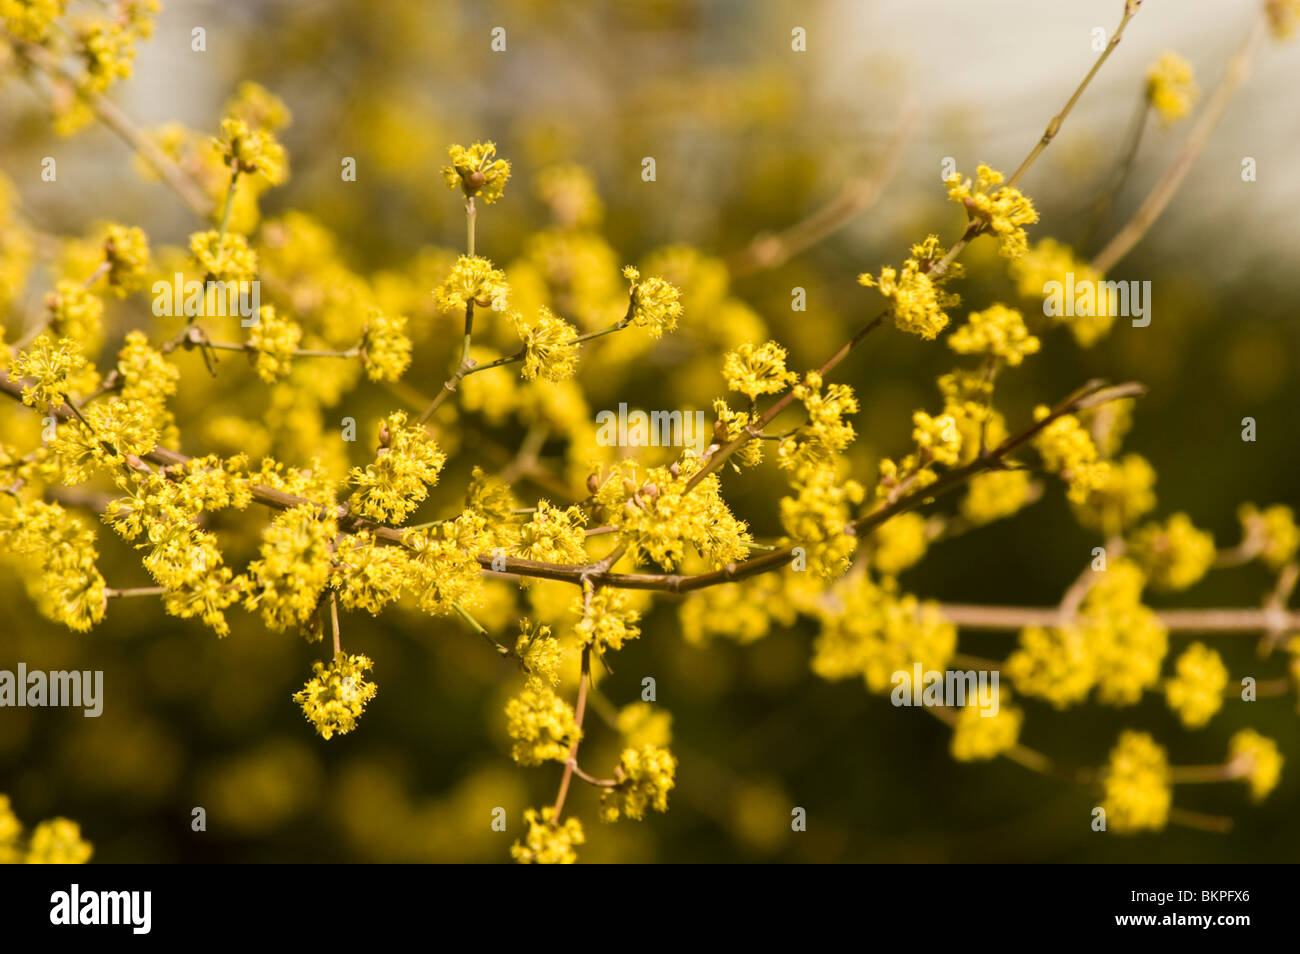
[[476, 171], [224, 257], [385, 348], [1256, 759], [645, 777], [826, 433], [898, 543], [996, 495], [1115, 644], [1050, 261], [538, 652], [57, 841], [1137, 785], [473, 279], [872, 632], [1283, 17], [655, 303], [658, 520], [550, 346], [67, 586], [757, 370], [406, 466], [609, 621], [998, 331], [1276, 528], [818, 515], [49, 366], [274, 339], [1171, 87], [294, 568], [336, 695], [937, 438], [1068, 451], [1196, 690], [1002, 210], [1121, 498], [977, 736], [251, 151], [1174, 555], [126, 252], [548, 843], [541, 724], [917, 301]]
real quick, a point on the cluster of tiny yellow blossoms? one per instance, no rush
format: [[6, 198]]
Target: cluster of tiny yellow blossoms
[[757, 370], [993, 207], [1137, 785], [540, 723], [1275, 529], [827, 432], [645, 777], [1283, 17], [1114, 644], [1171, 87], [1196, 690], [224, 257], [336, 694], [548, 842], [385, 348], [405, 467], [99, 49], [998, 331], [1051, 261], [251, 151], [1175, 555], [550, 346], [1255, 759], [57, 841], [980, 735], [818, 515], [476, 171], [655, 303], [1069, 452], [473, 279], [917, 299]]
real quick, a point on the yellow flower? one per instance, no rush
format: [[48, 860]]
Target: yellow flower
[[995, 495], [645, 777], [1171, 87], [550, 346], [1124, 496], [899, 542], [826, 433], [476, 171], [757, 370], [916, 299], [541, 724], [977, 736], [539, 652], [1069, 452], [49, 363], [336, 696], [254, 152], [609, 621], [473, 279], [385, 348], [58, 842], [1052, 664], [224, 258], [548, 843], [1275, 529], [999, 331], [1002, 210], [1051, 261], [1137, 785], [1196, 692], [406, 466], [937, 438], [1175, 555], [30, 20], [275, 340], [127, 252], [655, 304], [1256, 759]]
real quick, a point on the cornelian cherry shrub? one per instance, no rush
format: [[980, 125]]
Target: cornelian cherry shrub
[[224, 440]]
